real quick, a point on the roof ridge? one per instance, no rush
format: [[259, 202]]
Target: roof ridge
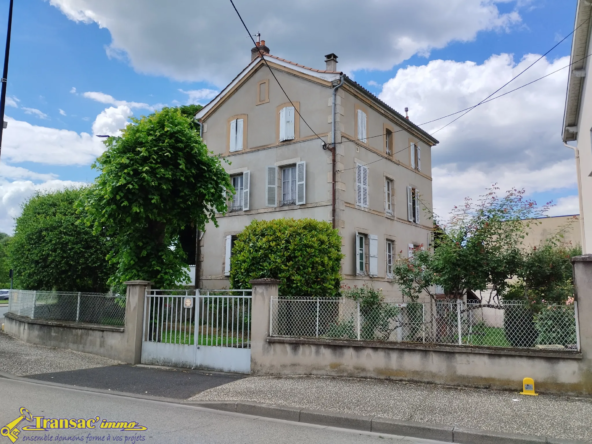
[[301, 66]]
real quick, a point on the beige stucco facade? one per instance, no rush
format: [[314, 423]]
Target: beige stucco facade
[[546, 228], [311, 93], [577, 124]]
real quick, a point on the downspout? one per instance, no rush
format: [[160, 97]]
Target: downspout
[[334, 149], [581, 203]]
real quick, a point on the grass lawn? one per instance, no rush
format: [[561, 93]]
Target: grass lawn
[[3, 302], [487, 336], [171, 337]]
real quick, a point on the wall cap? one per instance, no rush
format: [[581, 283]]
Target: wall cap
[[582, 258], [63, 324], [138, 282], [265, 281]]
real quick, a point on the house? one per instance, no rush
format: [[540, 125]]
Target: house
[[375, 186], [577, 118]]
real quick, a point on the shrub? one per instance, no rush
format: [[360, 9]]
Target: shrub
[[519, 326], [305, 255], [556, 325]]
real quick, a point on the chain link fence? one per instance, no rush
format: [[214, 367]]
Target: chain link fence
[[504, 324], [89, 308]]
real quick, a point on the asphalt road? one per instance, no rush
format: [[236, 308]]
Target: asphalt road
[[3, 309], [165, 422]]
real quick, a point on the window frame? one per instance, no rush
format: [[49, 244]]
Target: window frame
[[361, 253], [356, 132], [229, 133], [278, 110], [413, 204], [388, 130], [239, 193], [262, 84], [389, 198], [293, 184], [389, 269]]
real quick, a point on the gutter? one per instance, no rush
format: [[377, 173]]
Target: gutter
[[334, 148], [580, 201]]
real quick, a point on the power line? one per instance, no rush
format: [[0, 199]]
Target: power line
[[272, 73]]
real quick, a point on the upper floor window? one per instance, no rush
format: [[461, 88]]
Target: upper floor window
[[362, 126], [416, 156], [388, 141], [390, 255], [362, 185], [292, 183], [236, 135], [289, 186], [389, 192], [287, 123], [240, 200], [412, 205]]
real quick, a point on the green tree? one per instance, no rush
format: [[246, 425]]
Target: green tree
[[4, 264], [52, 250], [155, 180], [304, 254]]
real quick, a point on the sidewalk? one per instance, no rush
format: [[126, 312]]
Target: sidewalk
[[495, 411]]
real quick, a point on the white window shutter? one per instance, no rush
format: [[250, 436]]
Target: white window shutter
[[417, 207], [409, 204], [418, 148], [364, 127], [359, 119], [233, 136], [290, 123], [412, 155], [359, 184], [373, 255], [365, 186], [227, 255], [411, 250], [271, 193], [283, 124], [300, 183], [246, 189], [239, 134]]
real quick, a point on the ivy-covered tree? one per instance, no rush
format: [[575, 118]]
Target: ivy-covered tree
[[52, 250], [4, 264], [155, 180]]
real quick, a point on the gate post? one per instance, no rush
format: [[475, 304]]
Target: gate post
[[263, 291], [134, 320]]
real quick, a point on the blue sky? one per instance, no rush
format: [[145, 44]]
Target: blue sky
[[136, 60]]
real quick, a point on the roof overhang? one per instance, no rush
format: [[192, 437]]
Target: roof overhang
[[575, 83]]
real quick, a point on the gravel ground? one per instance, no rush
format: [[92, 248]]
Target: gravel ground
[[498, 411], [22, 359]]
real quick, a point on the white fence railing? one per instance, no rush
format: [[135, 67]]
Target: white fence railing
[[90, 308], [503, 324], [217, 318]]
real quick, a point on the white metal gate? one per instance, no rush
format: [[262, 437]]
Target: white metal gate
[[203, 329]]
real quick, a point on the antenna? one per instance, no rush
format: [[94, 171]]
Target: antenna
[[258, 35]]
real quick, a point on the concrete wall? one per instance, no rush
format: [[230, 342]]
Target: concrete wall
[[121, 344], [553, 371]]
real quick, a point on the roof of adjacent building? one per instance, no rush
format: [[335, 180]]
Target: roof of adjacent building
[[575, 84], [330, 76]]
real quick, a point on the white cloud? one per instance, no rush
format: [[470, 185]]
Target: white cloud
[[215, 46], [62, 112], [12, 172], [200, 96], [567, 205], [73, 90], [35, 112], [12, 101], [13, 194], [373, 83], [110, 100], [112, 120], [514, 141]]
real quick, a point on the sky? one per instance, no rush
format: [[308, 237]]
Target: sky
[[82, 68]]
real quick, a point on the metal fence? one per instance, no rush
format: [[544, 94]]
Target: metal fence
[[89, 308], [504, 324], [217, 318]]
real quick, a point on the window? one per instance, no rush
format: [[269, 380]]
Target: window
[[240, 200], [362, 124], [390, 254], [289, 186], [389, 191], [287, 123], [263, 92], [236, 135], [415, 156], [367, 254], [388, 141], [230, 240], [292, 182], [412, 205], [362, 185], [411, 249]]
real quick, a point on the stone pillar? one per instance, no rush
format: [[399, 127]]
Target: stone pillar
[[263, 291], [134, 320], [583, 283]]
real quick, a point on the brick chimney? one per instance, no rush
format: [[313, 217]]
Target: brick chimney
[[331, 62], [260, 47]]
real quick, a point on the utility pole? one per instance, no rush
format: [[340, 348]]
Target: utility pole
[[5, 75]]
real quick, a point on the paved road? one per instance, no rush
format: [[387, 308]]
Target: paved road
[[166, 422], [3, 309]]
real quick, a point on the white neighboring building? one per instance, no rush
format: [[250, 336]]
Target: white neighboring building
[[577, 120]]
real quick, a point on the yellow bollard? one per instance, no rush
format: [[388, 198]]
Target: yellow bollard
[[528, 387]]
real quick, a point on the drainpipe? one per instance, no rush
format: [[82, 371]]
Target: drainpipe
[[581, 203], [334, 148]]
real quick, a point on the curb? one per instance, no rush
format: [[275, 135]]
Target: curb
[[382, 425]]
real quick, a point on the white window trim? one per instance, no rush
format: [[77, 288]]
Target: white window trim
[[389, 202], [389, 269]]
